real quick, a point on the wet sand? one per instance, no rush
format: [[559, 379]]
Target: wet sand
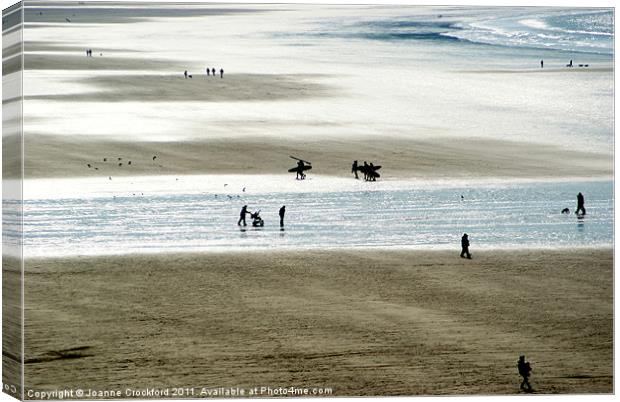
[[158, 88], [11, 326], [361, 322], [448, 158]]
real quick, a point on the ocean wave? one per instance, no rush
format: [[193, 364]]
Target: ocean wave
[[564, 30], [542, 25]]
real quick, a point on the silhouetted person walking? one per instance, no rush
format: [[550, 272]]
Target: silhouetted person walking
[[354, 169], [580, 203], [365, 171], [242, 214], [524, 371], [221, 73], [281, 213], [541, 64], [208, 71], [213, 72], [465, 246], [185, 74]]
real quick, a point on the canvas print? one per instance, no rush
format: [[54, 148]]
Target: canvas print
[[260, 200]]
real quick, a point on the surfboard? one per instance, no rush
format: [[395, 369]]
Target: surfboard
[[298, 159], [363, 168], [299, 169]]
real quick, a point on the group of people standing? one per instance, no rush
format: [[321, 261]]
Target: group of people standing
[[368, 169], [210, 71]]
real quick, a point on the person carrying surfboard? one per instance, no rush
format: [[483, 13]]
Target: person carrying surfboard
[[301, 167]]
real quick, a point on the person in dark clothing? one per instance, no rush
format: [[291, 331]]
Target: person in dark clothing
[[242, 214], [281, 213], [524, 371], [221, 73], [213, 72], [365, 171], [465, 246], [354, 169], [208, 71], [541, 64], [580, 205], [185, 74], [300, 171]]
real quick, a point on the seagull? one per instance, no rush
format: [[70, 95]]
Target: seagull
[[129, 163], [155, 157], [120, 164], [96, 168], [105, 159], [88, 164], [243, 189], [225, 184], [120, 159]]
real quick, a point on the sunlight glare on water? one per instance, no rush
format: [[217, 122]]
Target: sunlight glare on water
[[494, 216]]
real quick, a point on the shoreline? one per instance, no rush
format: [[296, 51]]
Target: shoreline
[[249, 251], [362, 322]]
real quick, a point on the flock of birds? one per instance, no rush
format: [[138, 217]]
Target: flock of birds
[[119, 160]]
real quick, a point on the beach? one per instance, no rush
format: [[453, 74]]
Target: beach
[[137, 275], [447, 158], [359, 322]]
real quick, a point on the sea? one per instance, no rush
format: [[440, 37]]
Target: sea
[[200, 214]]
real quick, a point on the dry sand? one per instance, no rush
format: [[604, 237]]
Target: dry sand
[[449, 158], [361, 322]]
